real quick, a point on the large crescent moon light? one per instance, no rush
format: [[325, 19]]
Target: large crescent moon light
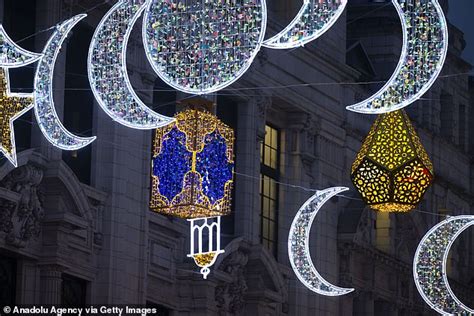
[[313, 20], [425, 45], [46, 115], [200, 46], [107, 69], [298, 245], [429, 266], [13, 56]]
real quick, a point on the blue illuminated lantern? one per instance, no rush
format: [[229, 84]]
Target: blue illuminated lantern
[[192, 171], [192, 167]]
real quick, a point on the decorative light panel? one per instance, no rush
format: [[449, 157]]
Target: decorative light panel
[[12, 55], [193, 166], [425, 45], [107, 68], [392, 170], [298, 245], [12, 106], [46, 115], [429, 266], [201, 46], [313, 20]]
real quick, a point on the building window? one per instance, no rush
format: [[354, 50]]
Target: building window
[[269, 161]]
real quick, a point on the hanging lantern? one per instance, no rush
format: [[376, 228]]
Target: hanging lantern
[[192, 171], [392, 171]]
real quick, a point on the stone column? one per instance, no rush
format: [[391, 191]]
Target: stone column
[[251, 131], [51, 284]]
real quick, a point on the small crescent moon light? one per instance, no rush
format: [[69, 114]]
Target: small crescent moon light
[[107, 69], [45, 112], [313, 20], [425, 45], [13, 56], [298, 245], [429, 266]]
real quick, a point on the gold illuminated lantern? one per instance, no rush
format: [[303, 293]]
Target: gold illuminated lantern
[[392, 170], [192, 174]]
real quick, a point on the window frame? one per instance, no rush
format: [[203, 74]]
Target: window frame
[[266, 171]]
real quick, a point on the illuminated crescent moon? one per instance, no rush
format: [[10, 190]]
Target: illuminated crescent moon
[[12, 55], [45, 112], [429, 266], [298, 245], [107, 69], [313, 20], [425, 45], [201, 47]]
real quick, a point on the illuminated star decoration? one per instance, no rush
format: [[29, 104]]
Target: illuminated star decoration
[[12, 106]]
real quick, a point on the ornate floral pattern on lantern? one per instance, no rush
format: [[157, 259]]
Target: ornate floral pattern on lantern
[[392, 170], [192, 167]]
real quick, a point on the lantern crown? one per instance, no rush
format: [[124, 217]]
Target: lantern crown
[[392, 170], [192, 166]]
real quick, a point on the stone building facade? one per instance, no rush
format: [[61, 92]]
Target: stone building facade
[[76, 228]]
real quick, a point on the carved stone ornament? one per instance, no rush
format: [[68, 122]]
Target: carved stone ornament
[[22, 211], [230, 295], [262, 104], [304, 128]]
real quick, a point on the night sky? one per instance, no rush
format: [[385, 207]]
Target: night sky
[[461, 14]]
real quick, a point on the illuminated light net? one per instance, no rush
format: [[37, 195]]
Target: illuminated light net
[[201, 46], [313, 20], [429, 266], [12, 55], [425, 45], [46, 115], [392, 170], [12, 106]]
